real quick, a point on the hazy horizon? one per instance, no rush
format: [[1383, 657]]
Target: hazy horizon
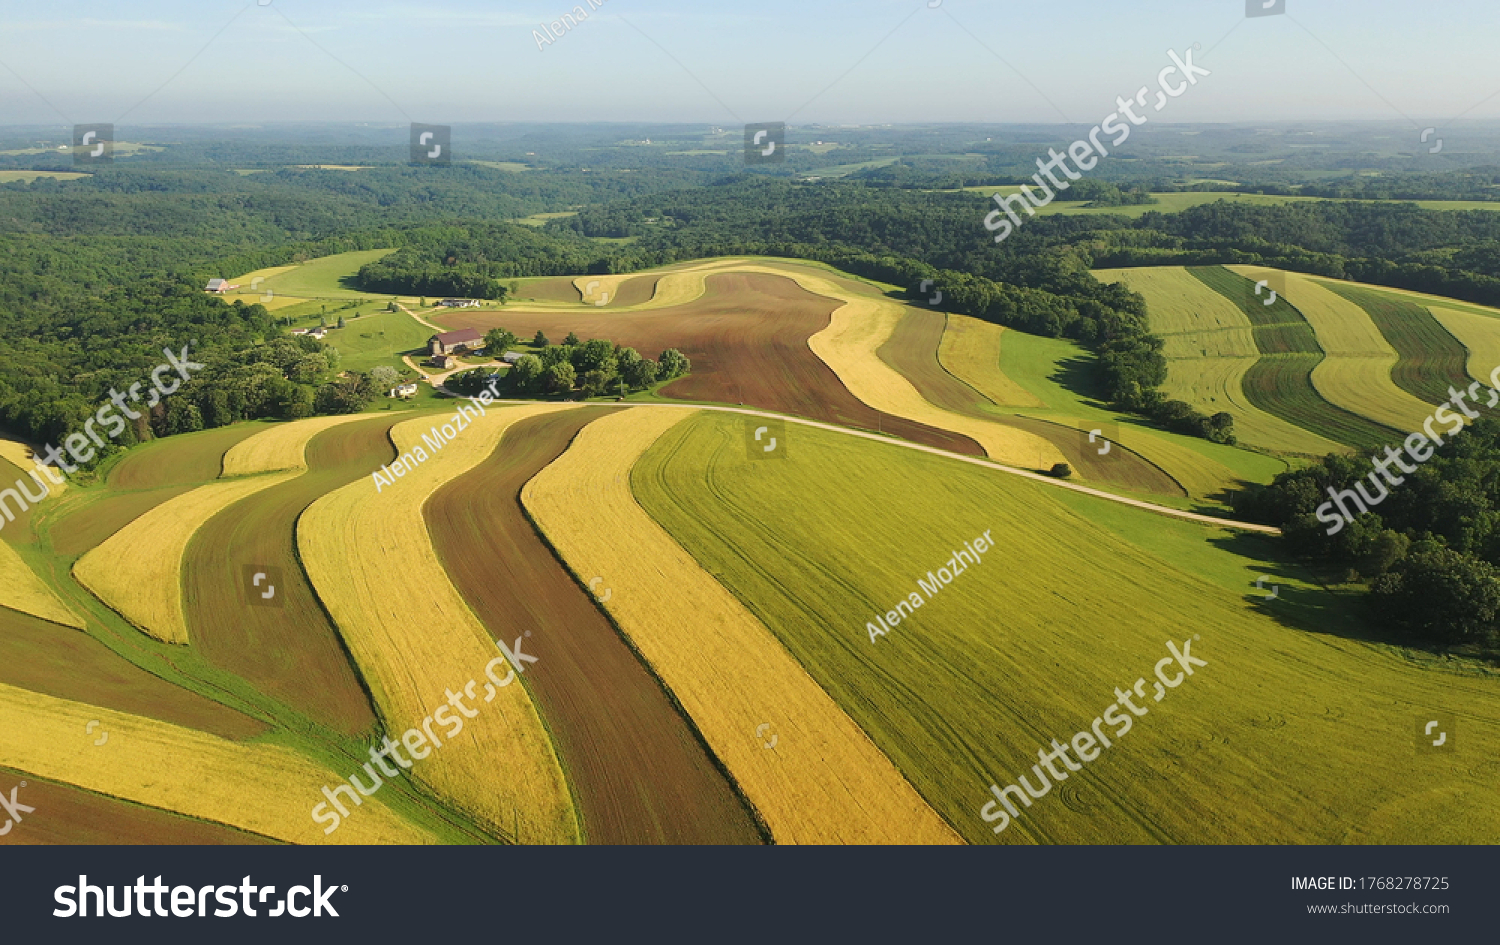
[[835, 62]]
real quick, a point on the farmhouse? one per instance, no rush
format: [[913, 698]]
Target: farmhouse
[[444, 361], [405, 390], [219, 286], [453, 342], [511, 357], [459, 303]]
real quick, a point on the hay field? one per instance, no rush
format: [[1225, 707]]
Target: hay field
[[21, 589], [1281, 381], [1210, 347], [970, 349], [912, 351], [323, 278], [261, 788], [849, 344], [1480, 336], [823, 781], [1356, 374], [281, 446], [1429, 358], [137, 571], [371, 560], [1290, 734]]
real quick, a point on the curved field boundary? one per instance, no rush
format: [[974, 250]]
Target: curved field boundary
[[1430, 358], [280, 447], [75, 816], [138, 570], [1357, 372], [290, 652], [265, 789], [21, 589], [20, 454], [1480, 336], [825, 781], [970, 351], [1210, 347], [849, 346], [1283, 737], [55, 661], [977, 461], [636, 767], [371, 559], [748, 343], [180, 460], [1280, 383], [622, 291], [913, 352]]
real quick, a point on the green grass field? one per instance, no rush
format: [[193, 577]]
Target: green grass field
[[1280, 383], [1210, 346], [1056, 371], [378, 338], [1295, 732], [1174, 203], [29, 176], [1430, 358]]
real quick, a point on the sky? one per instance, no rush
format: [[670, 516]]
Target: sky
[[727, 63]]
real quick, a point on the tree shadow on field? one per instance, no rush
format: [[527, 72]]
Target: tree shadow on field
[[1341, 612], [1080, 376]]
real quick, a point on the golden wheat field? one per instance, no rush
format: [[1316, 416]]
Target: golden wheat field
[[282, 446], [265, 789], [21, 589], [848, 346], [369, 555], [823, 781]]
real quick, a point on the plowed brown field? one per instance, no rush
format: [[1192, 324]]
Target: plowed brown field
[[76, 816], [55, 661], [290, 652], [638, 771], [747, 339]]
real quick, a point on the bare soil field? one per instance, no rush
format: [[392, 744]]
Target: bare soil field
[[67, 664], [747, 339], [640, 774], [290, 652], [77, 816]]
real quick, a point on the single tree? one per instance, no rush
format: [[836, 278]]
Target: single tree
[[560, 378], [497, 341], [672, 363], [572, 339], [524, 374], [384, 377], [594, 383], [540, 341], [641, 373]]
